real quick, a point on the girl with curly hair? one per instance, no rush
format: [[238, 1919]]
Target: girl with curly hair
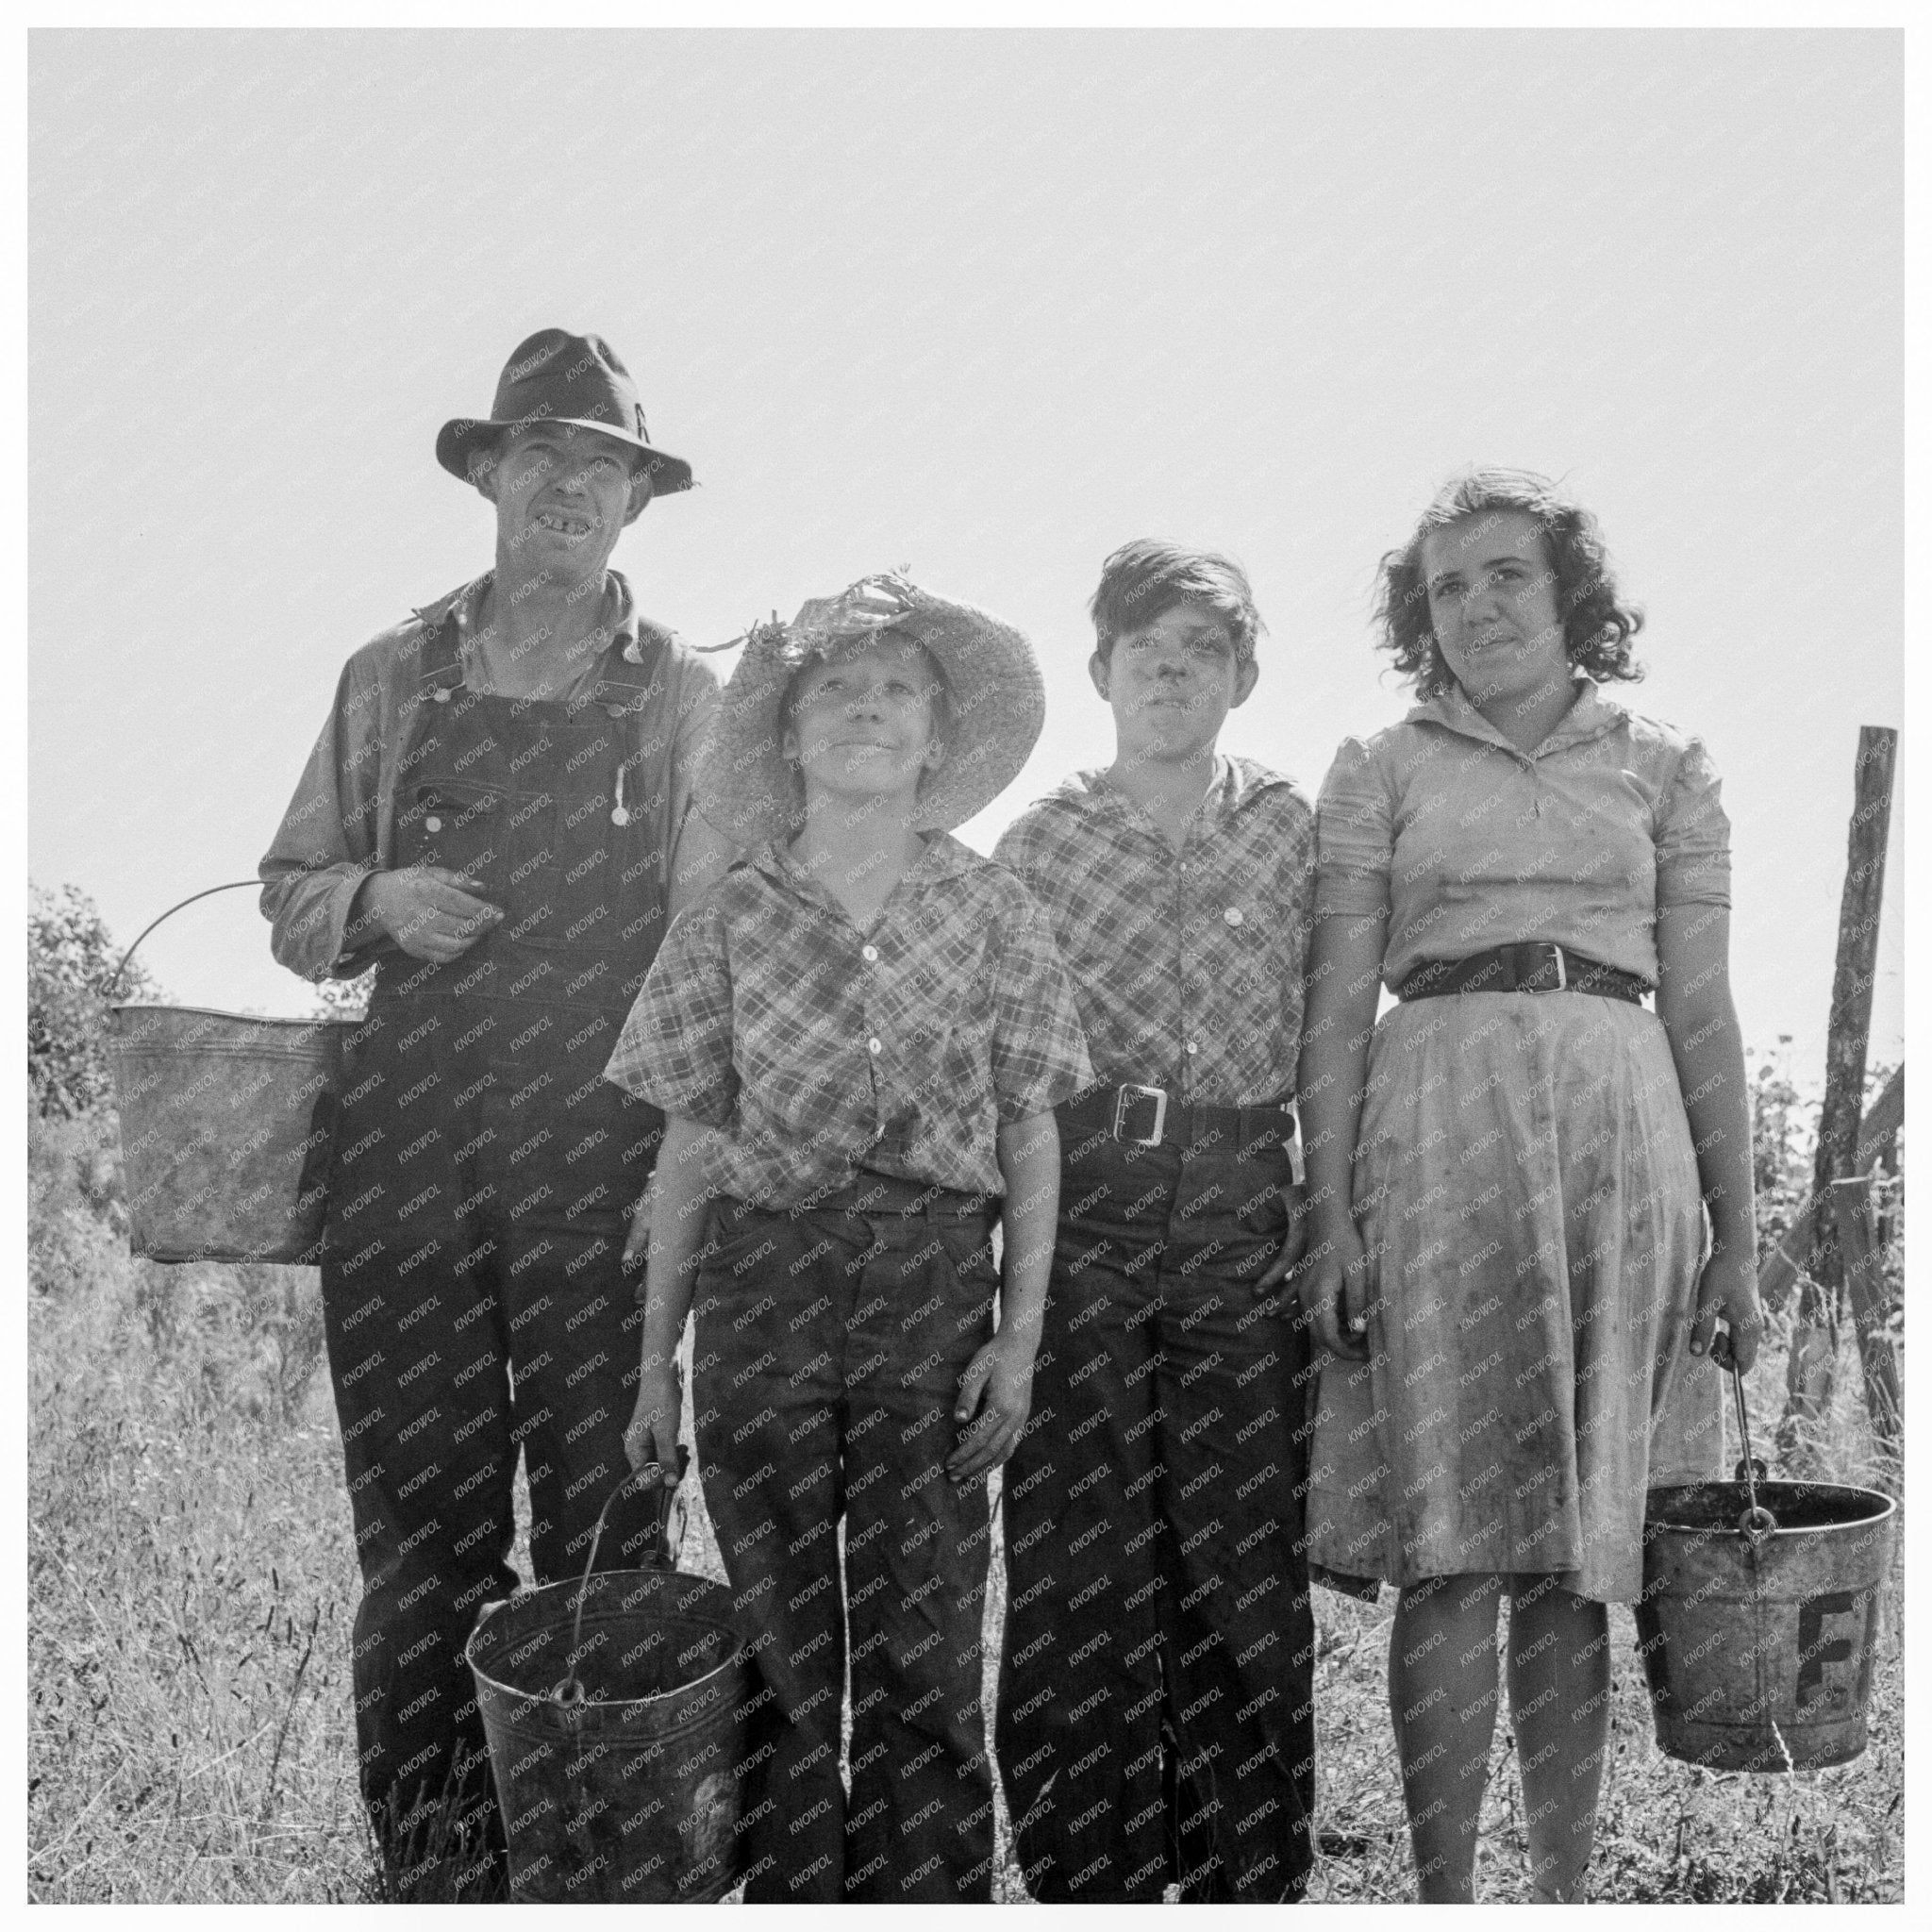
[[1511, 1171]]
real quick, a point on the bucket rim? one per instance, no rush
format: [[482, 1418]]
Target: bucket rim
[[737, 1652], [1879, 1508], [228, 1013]]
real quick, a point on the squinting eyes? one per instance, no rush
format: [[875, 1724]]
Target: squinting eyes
[[1208, 649]]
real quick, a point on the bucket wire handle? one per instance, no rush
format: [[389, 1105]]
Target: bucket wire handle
[[569, 1690], [1757, 1525], [233, 886]]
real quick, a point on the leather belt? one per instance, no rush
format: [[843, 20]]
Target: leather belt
[[1530, 966], [1151, 1117]]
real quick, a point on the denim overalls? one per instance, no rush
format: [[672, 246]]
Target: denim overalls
[[480, 1196]]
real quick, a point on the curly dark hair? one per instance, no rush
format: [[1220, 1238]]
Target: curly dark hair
[[1597, 624]]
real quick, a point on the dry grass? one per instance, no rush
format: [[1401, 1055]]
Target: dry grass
[[191, 1590]]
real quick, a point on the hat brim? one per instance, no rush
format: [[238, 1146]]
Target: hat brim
[[459, 438], [995, 695]]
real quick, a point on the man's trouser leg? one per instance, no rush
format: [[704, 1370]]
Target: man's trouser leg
[[425, 1336], [417, 1355]]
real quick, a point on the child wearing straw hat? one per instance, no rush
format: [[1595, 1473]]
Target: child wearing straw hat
[[857, 1037]]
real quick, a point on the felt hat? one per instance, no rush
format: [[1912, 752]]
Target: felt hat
[[994, 696], [555, 376]]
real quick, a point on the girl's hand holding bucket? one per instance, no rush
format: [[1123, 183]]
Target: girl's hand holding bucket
[[651, 1435]]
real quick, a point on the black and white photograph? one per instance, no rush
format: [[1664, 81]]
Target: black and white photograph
[[966, 958]]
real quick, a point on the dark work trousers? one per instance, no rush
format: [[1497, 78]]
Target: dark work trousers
[[829, 1347], [482, 1173], [1156, 1717]]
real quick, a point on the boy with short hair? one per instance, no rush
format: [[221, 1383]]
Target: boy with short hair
[[859, 1038], [1155, 1717]]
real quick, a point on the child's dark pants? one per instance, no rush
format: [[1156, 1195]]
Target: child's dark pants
[[830, 1344], [1155, 1716]]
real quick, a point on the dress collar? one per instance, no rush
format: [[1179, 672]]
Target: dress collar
[[1591, 714]]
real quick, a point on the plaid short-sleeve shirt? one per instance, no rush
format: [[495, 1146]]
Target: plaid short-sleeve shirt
[[1188, 964], [822, 1050]]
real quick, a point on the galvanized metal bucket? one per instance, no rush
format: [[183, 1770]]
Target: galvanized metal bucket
[[618, 1711], [226, 1121], [1759, 1618]]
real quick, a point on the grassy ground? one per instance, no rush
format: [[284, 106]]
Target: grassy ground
[[191, 1590]]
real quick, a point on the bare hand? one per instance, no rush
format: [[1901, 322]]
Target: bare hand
[[996, 1397], [1728, 1286], [651, 1435], [1294, 1243], [431, 912], [1335, 1292], [637, 1244]]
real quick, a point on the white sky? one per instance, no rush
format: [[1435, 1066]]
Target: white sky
[[985, 306]]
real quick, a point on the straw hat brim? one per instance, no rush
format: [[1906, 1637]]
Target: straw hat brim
[[995, 696]]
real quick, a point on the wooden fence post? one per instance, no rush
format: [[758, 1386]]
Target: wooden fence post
[[1851, 1202], [1814, 1335]]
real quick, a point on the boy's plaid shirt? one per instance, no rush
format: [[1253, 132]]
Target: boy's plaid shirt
[[1188, 964], [822, 1049]]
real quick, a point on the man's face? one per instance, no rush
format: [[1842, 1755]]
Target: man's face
[[563, 496], [1171, 683]]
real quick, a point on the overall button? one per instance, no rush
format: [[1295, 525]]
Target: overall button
[[443, 693], [867, 954], [1235, 916], [432, 825]]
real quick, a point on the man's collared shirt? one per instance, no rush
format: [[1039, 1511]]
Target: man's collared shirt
[[341, 823], [1465, 842], [821, 1050], [1188, 964]]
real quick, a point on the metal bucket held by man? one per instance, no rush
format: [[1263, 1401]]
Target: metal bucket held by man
[[617, 1711], [1760, 1617], [225, 1126]]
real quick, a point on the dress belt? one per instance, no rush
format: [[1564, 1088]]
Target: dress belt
[[1529, 966], [1149, 1117]]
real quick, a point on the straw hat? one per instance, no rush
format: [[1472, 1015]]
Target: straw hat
[[554, 376], [997, 703]]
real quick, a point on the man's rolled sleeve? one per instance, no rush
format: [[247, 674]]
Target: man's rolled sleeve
[[1039, 1049], [1355, 837], [676, 1047], [329, 838]]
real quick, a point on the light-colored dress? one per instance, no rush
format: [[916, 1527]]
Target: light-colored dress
[[1525, 1186]]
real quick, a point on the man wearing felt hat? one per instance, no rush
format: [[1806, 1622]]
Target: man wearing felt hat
[[495, 819]]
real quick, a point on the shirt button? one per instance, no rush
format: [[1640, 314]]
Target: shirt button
[[874, 1044], [1235, 916], [1194, 1046], [867, 952]]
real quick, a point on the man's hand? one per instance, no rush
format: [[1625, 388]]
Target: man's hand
[[431, 912], [651, 1434], [1335, 1292], [998, 1385], [1292, 1243]]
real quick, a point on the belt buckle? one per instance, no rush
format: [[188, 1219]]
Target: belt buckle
[[1520, 979], [1158, 1095]]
